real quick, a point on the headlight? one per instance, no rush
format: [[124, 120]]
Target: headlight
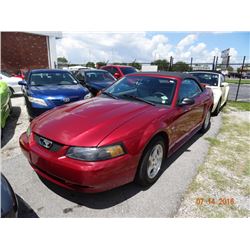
[[28, 132], [89, 95], [95, 154], [37, 101]]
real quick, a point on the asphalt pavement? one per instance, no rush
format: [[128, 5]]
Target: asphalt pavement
[[39, 198], [244, 92]]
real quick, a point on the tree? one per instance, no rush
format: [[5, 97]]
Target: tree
[[135, 65], [62, 60], [181, 66], [90, 64], [118, 63], [230, 69], [162, 64], [100, 64]]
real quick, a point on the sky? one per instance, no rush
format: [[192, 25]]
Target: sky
[[149, 46]]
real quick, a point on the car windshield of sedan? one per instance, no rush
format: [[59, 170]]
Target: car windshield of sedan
[[209, 79], [154, 90], [98, 76], [127, 70], [51, 78]]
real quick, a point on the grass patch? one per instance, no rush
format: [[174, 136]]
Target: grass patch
[[236, 81], [242, 106], [221, 182], [213, 141], [195, 186], [226, 170]]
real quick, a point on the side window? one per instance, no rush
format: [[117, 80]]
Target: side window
[[109, 69], [189, 89], [114, 70], [79, 76]]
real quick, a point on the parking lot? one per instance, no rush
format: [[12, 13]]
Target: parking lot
[[38, 198]]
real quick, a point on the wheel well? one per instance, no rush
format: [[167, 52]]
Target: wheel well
[[11, 90], [165, 138]]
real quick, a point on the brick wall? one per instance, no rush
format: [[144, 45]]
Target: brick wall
[[21, 50]]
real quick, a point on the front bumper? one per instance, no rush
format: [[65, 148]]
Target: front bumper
[[90, 177]]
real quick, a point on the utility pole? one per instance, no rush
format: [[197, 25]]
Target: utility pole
[[242, 68], [213, 67], [228, 60], [191, 63], [216, 62]]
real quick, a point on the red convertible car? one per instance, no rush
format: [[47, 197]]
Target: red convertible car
[[123, 135]]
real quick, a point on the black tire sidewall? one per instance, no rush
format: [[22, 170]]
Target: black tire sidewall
[[142, 176], [217, 110], [203, 129]]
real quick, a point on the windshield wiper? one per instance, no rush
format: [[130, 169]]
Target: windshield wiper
[[138, 99], [110, 95]]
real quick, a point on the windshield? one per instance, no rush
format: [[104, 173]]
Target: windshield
[[155, 90], [207, 78], [127, 70], [98, 76], [52, 78]]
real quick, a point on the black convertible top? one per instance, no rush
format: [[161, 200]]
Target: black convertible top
[[165, 73]]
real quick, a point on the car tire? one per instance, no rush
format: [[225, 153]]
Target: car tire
[[218, 107], [207, 122], [151, 162], [10, 106], [11, 92]]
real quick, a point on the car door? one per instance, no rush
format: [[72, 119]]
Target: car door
[[188, 117]]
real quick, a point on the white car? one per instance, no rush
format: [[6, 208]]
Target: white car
[[216, 82], [12, 82]]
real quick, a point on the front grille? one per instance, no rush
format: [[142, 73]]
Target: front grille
[[55, 146], [58, 102]]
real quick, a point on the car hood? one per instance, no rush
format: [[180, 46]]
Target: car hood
[[87, 123], [55, 90]]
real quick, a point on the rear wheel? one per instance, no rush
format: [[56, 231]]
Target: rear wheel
[[151, 162], [217, 110], [206, 123], [11, 92], [10, 106]]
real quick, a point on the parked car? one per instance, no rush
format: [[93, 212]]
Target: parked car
[[216, 82], [45, 89], [21, 73], [118, 71], [120, 136], [9, 204], [75, 69], [95, 80], [247, 75], [12, 82], [5, 103]]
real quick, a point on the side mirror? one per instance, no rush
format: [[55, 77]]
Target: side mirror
[[186, 101], [22, 83], [224, 84], [117, 75]]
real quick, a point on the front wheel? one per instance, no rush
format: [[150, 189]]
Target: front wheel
[[151, 162], [206, 123]]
